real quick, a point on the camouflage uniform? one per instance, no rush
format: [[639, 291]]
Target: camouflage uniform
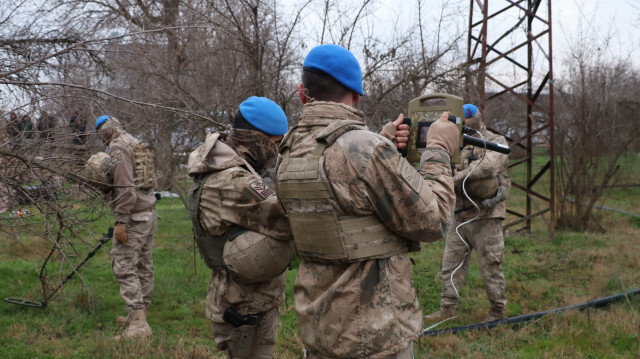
[[26, 127], [132, 262], [233, 195], [483, 234], [46, 126], [367, 308]]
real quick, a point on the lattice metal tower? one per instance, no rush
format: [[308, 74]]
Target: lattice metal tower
[[510, 71]]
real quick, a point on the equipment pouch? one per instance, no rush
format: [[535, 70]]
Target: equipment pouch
[[243, 338], [141, 217]]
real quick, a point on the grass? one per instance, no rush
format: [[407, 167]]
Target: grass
[[541, 274]]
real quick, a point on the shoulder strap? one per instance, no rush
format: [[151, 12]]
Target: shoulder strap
[[286, 140], [211, 248], [306, 168], [330, 134]]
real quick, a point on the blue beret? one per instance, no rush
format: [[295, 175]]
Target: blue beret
[[470, 110], [337, 62], [265, 115], [101, 120]]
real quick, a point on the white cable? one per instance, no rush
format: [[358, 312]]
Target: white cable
[[468, 251]]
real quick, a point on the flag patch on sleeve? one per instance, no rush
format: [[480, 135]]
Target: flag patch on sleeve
[[262, 189], [410, 174]]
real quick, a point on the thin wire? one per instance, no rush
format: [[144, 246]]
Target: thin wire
[[468, 251]]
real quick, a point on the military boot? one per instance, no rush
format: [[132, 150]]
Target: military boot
[[138, 327], [123, 320], [495, 313], [443, 313]]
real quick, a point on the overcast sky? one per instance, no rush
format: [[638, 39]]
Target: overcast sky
[[599, 19], [618, 18]]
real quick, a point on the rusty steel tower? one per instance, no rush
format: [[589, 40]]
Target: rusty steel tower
[[510, 67]]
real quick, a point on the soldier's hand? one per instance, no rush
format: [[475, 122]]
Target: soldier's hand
[[397, 132], [459, 176], [443, 134], [119, 231]]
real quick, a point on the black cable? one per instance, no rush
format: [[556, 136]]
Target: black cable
[[489, 325]]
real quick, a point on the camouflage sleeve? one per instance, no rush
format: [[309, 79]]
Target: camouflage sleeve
[[124, 194], [416, 205], [248, 202], [492, 164]]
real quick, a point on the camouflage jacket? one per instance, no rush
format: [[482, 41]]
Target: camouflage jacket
[[232, 195], [127, 199], [46, 123], [368, 309], [494, 164]]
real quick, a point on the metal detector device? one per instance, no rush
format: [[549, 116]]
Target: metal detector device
[[27, 303], [425, 110]]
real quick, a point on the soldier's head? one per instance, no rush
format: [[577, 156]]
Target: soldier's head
[[331, 73], [258, 127], [43, 113], [261, 114], [107, 127], [473, 117], [13, 116]]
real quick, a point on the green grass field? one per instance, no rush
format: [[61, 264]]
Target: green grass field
[[541, 272]]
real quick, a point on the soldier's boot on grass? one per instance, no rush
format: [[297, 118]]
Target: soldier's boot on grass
[[443, 313], [138, 327], [123, 320], [495, 313]]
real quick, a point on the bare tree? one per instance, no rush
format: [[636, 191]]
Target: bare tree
[[196, 61], [596, 125], [406, 61], [172, 70], [39, 181]]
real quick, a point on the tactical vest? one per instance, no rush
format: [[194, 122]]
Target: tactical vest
[[143, 176], [211, 248], [485, 188], [320, 234]]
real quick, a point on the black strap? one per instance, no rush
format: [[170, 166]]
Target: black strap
[[464, 209]]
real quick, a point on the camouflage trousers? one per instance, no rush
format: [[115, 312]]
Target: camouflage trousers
[[264, 341], [406, 353], [485, 237], [132, 263]]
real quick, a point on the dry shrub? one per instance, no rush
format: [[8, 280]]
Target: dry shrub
[[84, 300], [292, 346], [528, 294], [135, 348], [184, 350], [33, 248], [18, 331], [449, 343]]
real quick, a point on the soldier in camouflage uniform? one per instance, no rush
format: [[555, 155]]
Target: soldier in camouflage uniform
[[229, 201], [13, 126], [135, 222], [356, 207], [46, 126], [488, 186]]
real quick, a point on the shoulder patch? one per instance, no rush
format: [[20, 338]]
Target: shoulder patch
[[116, 155], [410, 174], [359, 145], [259, 187]]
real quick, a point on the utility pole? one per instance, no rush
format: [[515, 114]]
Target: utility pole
[[510, 56]]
